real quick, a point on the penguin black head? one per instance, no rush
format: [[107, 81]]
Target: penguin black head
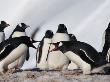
[[3, 25], [72, 37], [21, 27], [62, 28], [48, 34]]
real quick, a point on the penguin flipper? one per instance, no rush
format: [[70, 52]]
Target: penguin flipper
[[27, 55], [6, 51]]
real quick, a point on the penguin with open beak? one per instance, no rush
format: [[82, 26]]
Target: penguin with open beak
[[82, 54], [3, 25], [56, 59], [12, 49], [18, 32]]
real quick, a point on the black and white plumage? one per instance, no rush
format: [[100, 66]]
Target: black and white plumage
[[72, 65], [43, 50], [83, 54], [18, 32], [3, 25], [13, 48], [106, 47], [56, 59]]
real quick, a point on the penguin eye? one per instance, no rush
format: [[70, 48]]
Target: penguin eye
[[60, 44]]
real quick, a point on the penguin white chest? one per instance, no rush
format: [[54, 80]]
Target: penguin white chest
[[2, 36], [78, 61], [43, 63], [18, 34], [14, 55], [57, 59]]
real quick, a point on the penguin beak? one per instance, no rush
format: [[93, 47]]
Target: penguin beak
[[7, 25], [27, 26]]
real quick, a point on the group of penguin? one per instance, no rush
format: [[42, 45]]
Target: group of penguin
[[15, 49], [55, 51]]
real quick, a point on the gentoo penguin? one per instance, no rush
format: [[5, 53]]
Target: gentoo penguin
[[56, 59], [12, 49], [72, 65], [106, 47], [18, 32], [43, 50], [3, 25], [82, 54]]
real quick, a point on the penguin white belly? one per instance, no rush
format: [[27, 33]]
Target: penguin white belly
[[108, 55], [43, 63], [72, 66], [19, 62], [14, 55], [78, 61], [56, 59], [18, 34], [2, 36]]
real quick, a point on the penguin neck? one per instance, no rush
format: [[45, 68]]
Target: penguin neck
[[19, 29]]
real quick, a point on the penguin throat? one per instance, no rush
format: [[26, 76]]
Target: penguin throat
[[55, 49]]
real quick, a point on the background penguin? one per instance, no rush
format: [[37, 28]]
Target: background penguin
[[3, 25], [72, 65], [18, 32], [106, 41], [43, 50], [56, 59], [83, 54], [12, 49]]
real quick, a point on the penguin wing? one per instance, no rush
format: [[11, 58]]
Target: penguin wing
[[6, 51], [85, 57], [27, 55]]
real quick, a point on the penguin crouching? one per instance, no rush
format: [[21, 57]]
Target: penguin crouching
[[56, 59], [43, 50], [3, 25], [82, 54], [12, 49]]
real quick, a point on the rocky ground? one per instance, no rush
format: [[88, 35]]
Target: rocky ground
[[35, 75]]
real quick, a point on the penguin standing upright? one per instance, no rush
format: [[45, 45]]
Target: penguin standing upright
[[56, 59], [18, 32], [3, 25], [72, 65], [12, 49], [43, 50], [82, 54], [106, 47]]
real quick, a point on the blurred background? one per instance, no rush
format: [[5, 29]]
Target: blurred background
[[86, 19]]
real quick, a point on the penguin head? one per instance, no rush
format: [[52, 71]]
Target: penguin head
[[72, 37], [62, 28], [48, 34], [23, 25], [3, 25]]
